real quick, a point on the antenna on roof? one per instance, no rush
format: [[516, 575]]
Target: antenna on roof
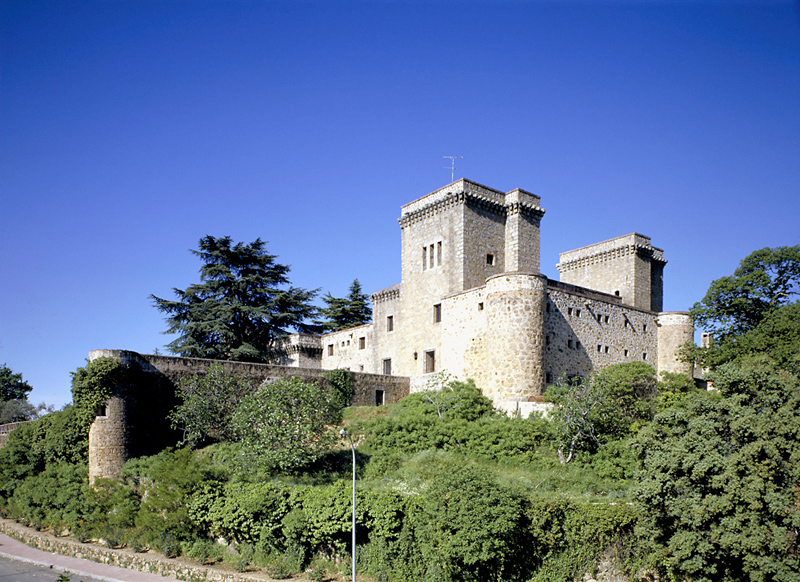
[[452, 165]]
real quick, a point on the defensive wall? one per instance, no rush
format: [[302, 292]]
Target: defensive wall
[[109, 438]]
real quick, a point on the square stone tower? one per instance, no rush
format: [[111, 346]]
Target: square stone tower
[[628, 267]]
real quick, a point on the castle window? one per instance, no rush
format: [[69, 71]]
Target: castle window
[[547, 339], [330, 349], [480, 306], [644, 356], [390, 323], [569, 343], [626, 353], [644, 327], [430, 361], [439, 253], [424, 258], [569, 310], [548, 307], [599, 348], [616, 292], [606, 349], [577, 313], [548, 378], [387, 367], [378, 397], [577, 345], [361, 368], [430, 262], [599, 318], [627, 323], [101, 410], [362, 343], [606, 319], [437, 313], [490, 259]]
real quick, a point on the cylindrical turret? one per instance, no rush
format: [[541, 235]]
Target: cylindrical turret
[[675, 328], [514, 336], [108, 449]]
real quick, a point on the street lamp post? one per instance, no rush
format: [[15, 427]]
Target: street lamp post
[[344, 433]]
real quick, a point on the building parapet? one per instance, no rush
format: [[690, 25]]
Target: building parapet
[[620, 246], [388, 294]]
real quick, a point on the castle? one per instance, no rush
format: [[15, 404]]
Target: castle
[[472, 301]]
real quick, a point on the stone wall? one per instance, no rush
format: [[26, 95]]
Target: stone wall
[[108, 441], [675, 328]]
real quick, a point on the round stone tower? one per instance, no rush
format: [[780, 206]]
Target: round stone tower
[[675, 328], [107, 441], [515, 337]]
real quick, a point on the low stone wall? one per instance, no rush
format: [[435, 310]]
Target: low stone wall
[[141, 562]]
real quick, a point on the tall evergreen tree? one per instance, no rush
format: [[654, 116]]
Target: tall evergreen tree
[[12, 386], [349, 311], [241, 308]]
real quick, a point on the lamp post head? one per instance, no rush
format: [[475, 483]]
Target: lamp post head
[[342, 432]]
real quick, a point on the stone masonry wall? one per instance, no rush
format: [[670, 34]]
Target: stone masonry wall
[[584, 333], [675, 328]]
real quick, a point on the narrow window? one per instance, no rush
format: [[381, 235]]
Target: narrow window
[[430, 262], [362, 343], [437, 313], [490, 259], [548, 377], [569, 343], [606, 319], [577, 345], [577, 313], [480, 306], [599, 318], [606, 349], [547, 340], [430, 361], [330, 349], [424, 258], [626, 323], [616, 292], [599, 348], [361, 368], [548, 307], [439, 253], [644, 356], [387, 367], [569, 310], [378, 397], [626, 353], [644, 327], [390, 323]]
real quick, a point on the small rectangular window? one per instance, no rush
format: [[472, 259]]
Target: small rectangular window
[[606, 319], [569, 310], [644, 327], [577, 313], [599, 348], [644, 356], [390, 323], [430, 262], [548, 377], [424, 258], [606, 349], [387, 367], [362, 343], [480, 306], [577, 345], [599, 318], [490, 259], [569, 343], [330, 349], [439, 253], [547, 340], [437, 313], [430, 361], [626, 353]]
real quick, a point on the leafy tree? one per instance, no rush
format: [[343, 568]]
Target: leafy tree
[[284, 424], [765, 280], [209, 402], [449, 398], [719, 477], [242, 307], [19, 410], [610, 405], [344, 312], [12, 386]]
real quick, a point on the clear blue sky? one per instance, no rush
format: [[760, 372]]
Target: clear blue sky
[[129, 130]]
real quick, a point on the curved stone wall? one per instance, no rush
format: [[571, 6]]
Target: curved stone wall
[[108, 448], [515, 304], [675, 328]]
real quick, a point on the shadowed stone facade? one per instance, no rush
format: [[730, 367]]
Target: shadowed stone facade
[[472, 301]]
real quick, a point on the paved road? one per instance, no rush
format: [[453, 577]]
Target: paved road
[[15, 554], [14, 571]]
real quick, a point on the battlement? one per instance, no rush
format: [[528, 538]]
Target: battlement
[[633, 243]]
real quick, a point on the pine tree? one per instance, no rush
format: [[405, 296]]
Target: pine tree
[[349, 311], [242, 307]]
